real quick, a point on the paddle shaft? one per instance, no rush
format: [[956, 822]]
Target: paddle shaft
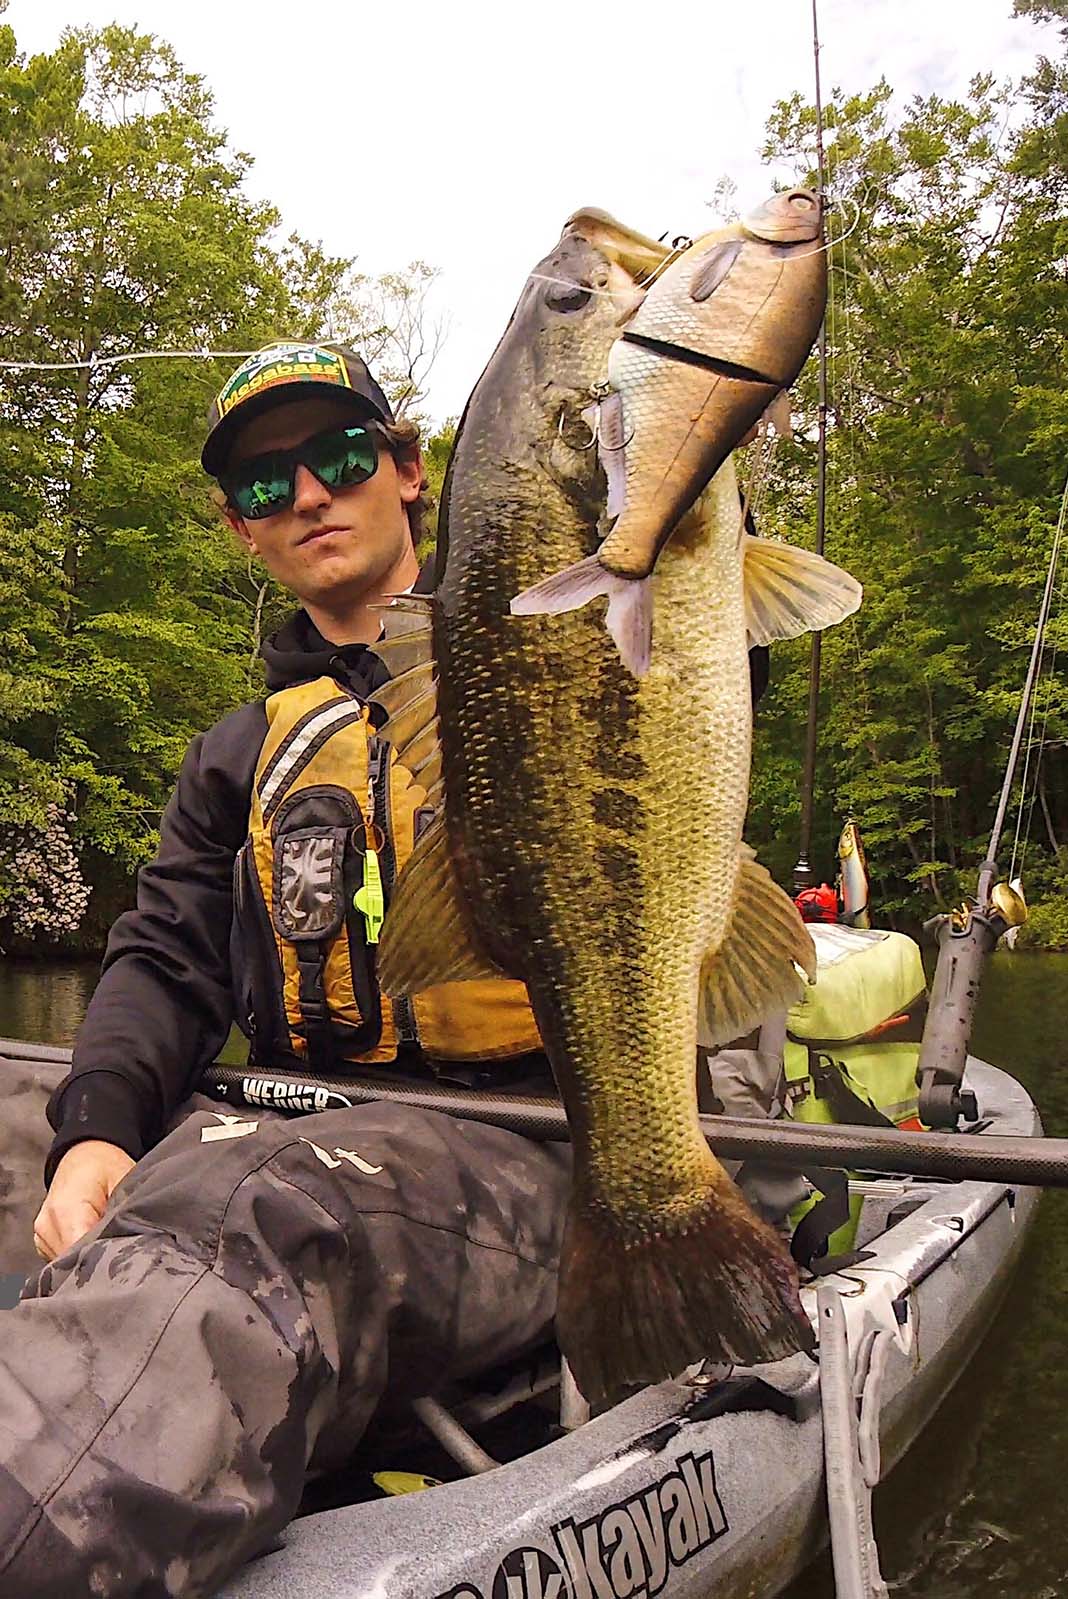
[[957, 1157]]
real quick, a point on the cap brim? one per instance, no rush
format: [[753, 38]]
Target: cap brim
[[220, 440]]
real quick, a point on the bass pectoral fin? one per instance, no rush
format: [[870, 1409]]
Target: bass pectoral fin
[[753, 971], [428, 936], [790, 591]]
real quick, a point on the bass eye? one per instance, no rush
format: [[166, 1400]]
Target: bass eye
[[713, 269], [567, 296]]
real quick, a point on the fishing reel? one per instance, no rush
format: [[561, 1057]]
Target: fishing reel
[[1007, 909]]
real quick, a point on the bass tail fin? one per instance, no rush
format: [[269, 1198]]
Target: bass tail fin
[[630, 606], [711, 1282]]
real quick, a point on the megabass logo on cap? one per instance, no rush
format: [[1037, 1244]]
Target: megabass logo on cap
[[282, 363], [626, 1551]]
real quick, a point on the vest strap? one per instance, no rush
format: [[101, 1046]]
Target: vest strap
[[822, 1221], [831, 1081], [314, 1010]]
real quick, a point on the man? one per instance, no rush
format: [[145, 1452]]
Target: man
[[228, 1302]]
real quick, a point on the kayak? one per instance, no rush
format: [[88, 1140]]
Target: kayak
[[711, 1485]]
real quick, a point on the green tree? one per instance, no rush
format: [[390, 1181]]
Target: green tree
[[131, 619], [947, 344]]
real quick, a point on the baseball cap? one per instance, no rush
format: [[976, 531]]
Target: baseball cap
[[281, 373]]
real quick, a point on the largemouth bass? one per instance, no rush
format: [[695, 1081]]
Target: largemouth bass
[[715, 339], [591, 836]]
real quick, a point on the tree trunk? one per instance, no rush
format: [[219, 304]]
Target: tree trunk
[[257, 630], [1044, 802]]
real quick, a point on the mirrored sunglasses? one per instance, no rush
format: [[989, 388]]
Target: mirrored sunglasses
[[266, 484]]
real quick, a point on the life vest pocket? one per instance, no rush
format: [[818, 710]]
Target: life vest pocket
[[317, 844], [309, 884], [333, 818]]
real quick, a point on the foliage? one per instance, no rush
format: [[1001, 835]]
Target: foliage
[[51, 895], [129, 619], [1042, 10], [436, 451], [948, 421]]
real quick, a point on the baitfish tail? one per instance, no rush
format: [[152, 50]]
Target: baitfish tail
[[630, 605], [711, 1282]]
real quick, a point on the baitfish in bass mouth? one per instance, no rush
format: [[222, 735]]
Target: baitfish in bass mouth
[[587, 835], [717, 336]]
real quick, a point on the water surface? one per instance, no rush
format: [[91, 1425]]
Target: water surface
[[976, 1508]]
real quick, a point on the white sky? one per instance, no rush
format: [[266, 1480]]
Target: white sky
[[465, 131]]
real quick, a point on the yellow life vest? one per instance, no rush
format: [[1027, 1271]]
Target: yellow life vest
[[333, 820], [857, 1029], [852, 1042]]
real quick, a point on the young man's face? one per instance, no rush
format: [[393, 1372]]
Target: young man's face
[[331, 546]]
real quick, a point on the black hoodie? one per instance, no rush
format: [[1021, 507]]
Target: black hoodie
[[162, 1009]]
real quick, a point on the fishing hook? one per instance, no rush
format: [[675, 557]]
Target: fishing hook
[[595, 437], [614, 447], [591, 430]]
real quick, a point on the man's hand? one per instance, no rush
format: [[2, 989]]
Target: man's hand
[[84, 1181]]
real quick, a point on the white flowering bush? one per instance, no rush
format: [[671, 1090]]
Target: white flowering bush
[[44, 893]]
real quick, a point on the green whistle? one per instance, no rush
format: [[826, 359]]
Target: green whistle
[[369, 899]]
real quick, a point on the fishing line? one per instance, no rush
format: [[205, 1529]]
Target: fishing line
[[96, 361], [1019, 851], [986, 875], [1040, 745]]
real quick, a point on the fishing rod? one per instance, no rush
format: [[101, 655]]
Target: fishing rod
[[969, 934], [804, 876]]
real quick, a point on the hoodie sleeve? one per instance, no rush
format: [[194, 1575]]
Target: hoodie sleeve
[[162, 1009]]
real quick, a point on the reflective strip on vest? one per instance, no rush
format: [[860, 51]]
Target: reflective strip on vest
[[301, 745]]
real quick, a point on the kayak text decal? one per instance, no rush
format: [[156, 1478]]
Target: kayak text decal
[[626, 1551]]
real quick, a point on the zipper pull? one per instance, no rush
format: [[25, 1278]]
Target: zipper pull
[[369, 899]]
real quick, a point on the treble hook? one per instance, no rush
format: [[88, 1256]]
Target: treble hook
[[592, 433], [610, 409], [595, 429], [622, 446]]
